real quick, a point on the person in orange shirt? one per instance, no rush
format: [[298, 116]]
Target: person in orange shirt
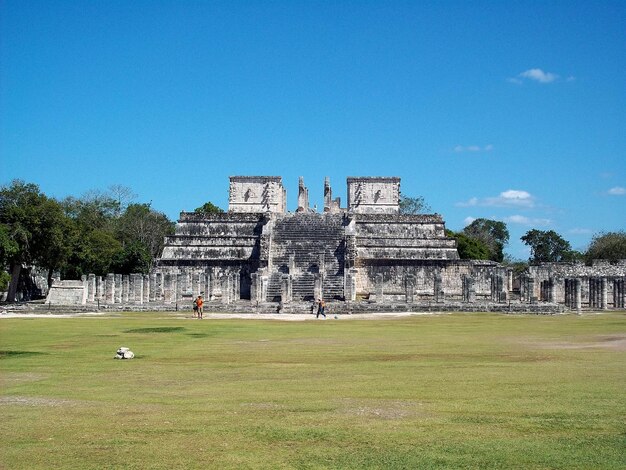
[[199, 303]]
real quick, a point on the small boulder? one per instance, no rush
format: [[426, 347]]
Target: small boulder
[[124, 353]]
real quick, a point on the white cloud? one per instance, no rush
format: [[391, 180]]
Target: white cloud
[[515, 194], [468, 220], [536, 75], [539, 75], [522, 220], [617, 191], [511, 197], [508, 198], [473, 148]]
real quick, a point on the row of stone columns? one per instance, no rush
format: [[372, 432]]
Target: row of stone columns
[[145, 288]]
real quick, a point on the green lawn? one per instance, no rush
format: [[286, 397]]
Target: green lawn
[[443, 391]]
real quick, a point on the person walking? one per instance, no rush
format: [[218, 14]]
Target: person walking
[[200, 304], [321, 306], [195, 308]]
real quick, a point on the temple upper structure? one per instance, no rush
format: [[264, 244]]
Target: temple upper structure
[[374, 195], [254, 194]]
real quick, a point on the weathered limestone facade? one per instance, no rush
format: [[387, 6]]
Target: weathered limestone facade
[[366, 257], [257, 194], [374, 195], [365, 254]]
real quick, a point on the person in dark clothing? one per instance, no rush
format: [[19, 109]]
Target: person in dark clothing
[[321, 306]]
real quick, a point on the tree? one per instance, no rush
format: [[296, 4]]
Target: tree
[[548, 246], [94, 210], [609, 246], [36, 225], [93, 251], [209, 208], [141, 224], [122, 195], [133, 258], [469, 247], [494, 234], [413, 205]]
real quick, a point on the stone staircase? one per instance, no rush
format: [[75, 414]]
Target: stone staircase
[[316, 243]]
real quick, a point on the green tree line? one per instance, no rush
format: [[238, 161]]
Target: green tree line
[[485, 239], [98, 233]]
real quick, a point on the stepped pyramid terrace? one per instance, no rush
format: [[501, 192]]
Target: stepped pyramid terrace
[[366, 256]]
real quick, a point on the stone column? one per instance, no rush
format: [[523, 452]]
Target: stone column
[[264, 284], [109, 289], [210, 289], [498, 294], [317, 289], [349, 287], [195, 285], [137, 282], [292, 264], [226, 289], [592, 292], [236, 283], [180, 285], [118, 288], [468, 289], [131, 289], [169, 288], [532, 298], [604, 294], [322, 267], [504, 292], [618, 293], [152, 287], [202, 285], [146, 288], [125, 288], [91, 287], [578, 294], [254, 288], [99, 289], [379, 288], [285, 288], [409, 288]]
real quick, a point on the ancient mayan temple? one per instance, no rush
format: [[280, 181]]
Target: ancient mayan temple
[[257, 251]]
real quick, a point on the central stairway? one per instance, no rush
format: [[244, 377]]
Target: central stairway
[[315, 242]]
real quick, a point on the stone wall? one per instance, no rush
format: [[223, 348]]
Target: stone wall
[[67, 293]]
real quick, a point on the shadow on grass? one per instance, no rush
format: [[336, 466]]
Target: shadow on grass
[[4, 354], [163, 329]]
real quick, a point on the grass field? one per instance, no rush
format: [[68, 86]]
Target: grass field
[[442, 391]]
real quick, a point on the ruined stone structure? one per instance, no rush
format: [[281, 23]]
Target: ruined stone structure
[[367, 256], [367, 252], [600, 286]]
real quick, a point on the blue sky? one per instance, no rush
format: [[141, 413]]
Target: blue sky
[[514, 111]]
